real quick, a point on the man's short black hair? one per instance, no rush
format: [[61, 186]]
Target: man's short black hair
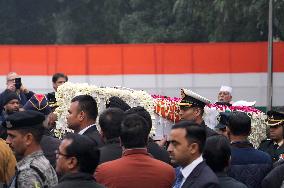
[[217, 152], [139, 110], [134, 131], [239, 123], [37, 132], [194, 133], [110, 122], [56, 76], [88, 105], [116, 102], [83, 149]]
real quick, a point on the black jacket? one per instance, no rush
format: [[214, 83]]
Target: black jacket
[[157, 152], [209, 132], [78, 180], [274, 178], [228, 182], [48, 145], [110, 151], [201, 177], [94, 135]]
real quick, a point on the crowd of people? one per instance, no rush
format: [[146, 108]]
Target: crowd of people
[[121, 154]]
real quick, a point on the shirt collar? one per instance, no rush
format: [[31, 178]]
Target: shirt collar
[[135, 151], [85, 129], [186, 171]]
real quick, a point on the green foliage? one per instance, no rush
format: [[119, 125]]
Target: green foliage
[[137, 21]]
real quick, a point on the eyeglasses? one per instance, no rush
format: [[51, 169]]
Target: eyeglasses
[[57, 153]]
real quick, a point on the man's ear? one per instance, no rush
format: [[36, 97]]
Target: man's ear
[[28, 138], [82, 115], [194, 148], [72, 163]]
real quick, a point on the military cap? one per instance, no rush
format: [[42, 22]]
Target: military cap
[[192, 99], [223, 120], [275, 118], [24, 119], [8, 96], [38, 102]]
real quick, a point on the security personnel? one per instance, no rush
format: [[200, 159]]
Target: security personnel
[[192, 109], [274, 145], [33, 170]]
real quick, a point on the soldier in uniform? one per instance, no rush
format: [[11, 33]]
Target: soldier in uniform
[[274, 145], [33, 170], [192, 109]]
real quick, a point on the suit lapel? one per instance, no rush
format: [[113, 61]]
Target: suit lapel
[[90, 130], [193, 175]]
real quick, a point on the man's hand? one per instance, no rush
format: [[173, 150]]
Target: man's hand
[[24, 89], [11, 86]]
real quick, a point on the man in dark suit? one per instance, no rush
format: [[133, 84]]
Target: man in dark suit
[[136, 168], [82, 117], [217, 153], [248, 165], [76, 161], [153, 148], [110, 122], [187, 141], [192, 109]]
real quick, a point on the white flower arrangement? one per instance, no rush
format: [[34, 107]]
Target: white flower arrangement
[[258, 120], [69, 90]]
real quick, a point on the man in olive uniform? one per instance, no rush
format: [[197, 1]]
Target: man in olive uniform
[[25, 131], [274, 145]]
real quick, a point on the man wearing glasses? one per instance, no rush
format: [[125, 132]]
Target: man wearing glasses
[[14, 84], [76, 162]]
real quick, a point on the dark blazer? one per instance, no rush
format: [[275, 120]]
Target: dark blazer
[[201, 177], [77, 180], [228, 182], [158, 152], [48, 145], [94, 135], [248, 165], [110, 151], [135, 169], [209, 132], [275, 178]]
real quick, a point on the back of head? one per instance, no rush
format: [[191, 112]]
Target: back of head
[[239, 123], [83, 149], [194, 133], [116, 102], [139, 110], [217, 153], [87, 104], [134, 131], [56, 76], [110, 122]]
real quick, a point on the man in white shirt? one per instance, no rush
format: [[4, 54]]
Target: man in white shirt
[[82, 117], [187, 141]]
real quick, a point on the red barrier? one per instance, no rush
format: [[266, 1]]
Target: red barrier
[[204, 58]]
